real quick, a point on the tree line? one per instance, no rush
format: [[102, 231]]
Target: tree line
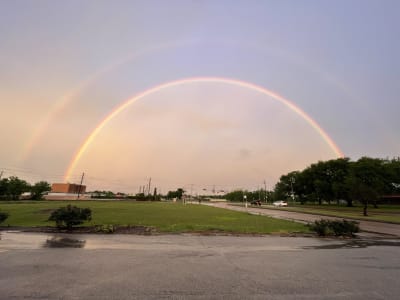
[[365, 180], [13, 187], [338, 180]]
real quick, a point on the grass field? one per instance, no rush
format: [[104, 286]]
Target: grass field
[[384, 213], [165, 217]]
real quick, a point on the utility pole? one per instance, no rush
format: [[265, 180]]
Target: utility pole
[[155, 194], [80, 186], [191, 189], [265, 190], [1, 174], [291, 185], [148, 190]]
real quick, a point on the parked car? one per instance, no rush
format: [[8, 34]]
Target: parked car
[[279, 203]]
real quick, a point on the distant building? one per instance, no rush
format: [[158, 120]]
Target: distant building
[[67, 191], [68, 188]]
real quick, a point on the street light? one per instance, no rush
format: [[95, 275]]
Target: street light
[[292, 180]]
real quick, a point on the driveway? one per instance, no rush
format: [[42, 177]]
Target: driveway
[[368, 226]]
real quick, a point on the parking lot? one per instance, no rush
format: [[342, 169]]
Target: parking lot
[[40, 266]]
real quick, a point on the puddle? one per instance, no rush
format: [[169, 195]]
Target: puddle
[[12, 240], [356, 244], [64, 242], [20, 240]]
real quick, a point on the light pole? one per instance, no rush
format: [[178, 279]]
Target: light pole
[[245, 199], [291, 185]]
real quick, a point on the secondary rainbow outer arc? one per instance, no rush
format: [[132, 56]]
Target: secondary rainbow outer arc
[[62, 102], [160, 87]]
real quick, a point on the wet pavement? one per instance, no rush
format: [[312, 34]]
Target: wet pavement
[[84, 266]]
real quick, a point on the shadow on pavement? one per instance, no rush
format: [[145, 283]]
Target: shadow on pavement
[[356, 244]]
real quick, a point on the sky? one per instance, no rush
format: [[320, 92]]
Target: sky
[[204, 95]]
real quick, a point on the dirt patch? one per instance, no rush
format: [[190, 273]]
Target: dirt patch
[[143, 230]]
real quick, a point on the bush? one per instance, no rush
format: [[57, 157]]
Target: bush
[[320, 227], [3, 216], [70, 215], [335, 227], [344, 228], [105, 228]]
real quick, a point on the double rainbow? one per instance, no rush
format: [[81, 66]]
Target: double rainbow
[[121, 107]]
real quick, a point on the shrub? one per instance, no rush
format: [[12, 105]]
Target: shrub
[[344, 228], [321, 227], [3, 216], [70, 215], [105, 228], [335, 227]]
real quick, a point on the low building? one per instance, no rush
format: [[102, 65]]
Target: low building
[[67, 191], [66, 196], [68, 188]]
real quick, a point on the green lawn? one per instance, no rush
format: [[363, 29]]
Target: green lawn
[[384, 213], [165, 217]]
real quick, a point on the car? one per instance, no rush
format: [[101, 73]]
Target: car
[[256, 202], [279, 203]]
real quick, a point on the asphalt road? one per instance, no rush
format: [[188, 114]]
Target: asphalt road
[[368, 226], [40, 266]]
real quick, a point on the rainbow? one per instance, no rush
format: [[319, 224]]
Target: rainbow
[[63, 102], [121, 107]]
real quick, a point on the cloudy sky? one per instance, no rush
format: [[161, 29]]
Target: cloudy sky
[[65, 66]]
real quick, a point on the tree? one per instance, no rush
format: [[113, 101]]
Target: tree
[[289, 187], [3, 216], [70, 215], [235, 196], [39, 188], [15, 187], [392, 168], [176, 194], [179, 193], [3, 187], [367, 181]]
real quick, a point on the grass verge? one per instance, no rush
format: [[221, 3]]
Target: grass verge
[[165, 217]]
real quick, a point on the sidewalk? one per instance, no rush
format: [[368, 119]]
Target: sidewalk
[[368, 226]]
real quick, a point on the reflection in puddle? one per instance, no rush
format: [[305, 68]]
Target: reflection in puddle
[[64, 242]]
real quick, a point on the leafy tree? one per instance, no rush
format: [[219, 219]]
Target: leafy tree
[[367, 181], [70, 215], [3, 187], [238, 195], [3, 216], [289, 186], [39, 188], [235, 196], [179, 193], [176, 194], [15, 187], [392, 169]]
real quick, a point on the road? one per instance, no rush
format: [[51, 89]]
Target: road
[[40, 266], [368, 226]]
